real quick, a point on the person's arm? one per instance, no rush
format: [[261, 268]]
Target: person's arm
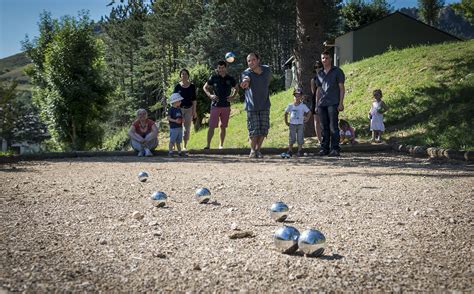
[[342, 92], [286, 119], [207, 90], [194, 102], [154, 131], [245, 80], [384, 107], [318, 96], [194, 109], [307, 115], [353, 133], [133, 135], [233, 93]]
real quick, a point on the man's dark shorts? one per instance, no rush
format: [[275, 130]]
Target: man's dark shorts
[[258, 122]]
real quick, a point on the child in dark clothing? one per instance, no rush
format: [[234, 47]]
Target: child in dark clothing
[[175, 117]]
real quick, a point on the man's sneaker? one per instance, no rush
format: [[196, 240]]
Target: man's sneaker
[[322, 153], [148, 152], [170, 154], [221, 147], [334, 153], [299, 154], [258, 154], [141, 153], [253, 154], [182, 154], [206, 148]]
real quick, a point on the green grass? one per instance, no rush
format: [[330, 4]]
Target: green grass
[[429, 89]]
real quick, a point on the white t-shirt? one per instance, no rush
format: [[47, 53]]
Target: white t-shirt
[[297, 113]]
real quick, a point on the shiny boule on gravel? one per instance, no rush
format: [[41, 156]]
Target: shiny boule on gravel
[[286, 239], [279, 211], [203, 195], [158, 199], [312, 242], [142, 176]]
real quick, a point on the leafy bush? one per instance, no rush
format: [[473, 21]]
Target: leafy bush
[[117, 140]]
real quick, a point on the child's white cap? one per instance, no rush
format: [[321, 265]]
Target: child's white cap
[[175, 97]]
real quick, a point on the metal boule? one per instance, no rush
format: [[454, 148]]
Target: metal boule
[[312, 242], [203, 195], [279, 211], [158, 199], [286, 239], [142, 176]]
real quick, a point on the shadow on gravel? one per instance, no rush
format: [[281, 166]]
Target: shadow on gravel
[[334, 256], [13, 169], [363, 160]]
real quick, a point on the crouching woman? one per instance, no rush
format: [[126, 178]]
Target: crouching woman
[[143, 134]]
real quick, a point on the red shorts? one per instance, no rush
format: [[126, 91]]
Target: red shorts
[[222, 113]]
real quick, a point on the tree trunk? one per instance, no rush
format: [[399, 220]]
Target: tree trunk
[[309, 44]]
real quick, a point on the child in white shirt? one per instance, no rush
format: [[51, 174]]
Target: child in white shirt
[[299, 114]]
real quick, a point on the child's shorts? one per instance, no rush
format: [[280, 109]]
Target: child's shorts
[[176, 135], [296, 134]]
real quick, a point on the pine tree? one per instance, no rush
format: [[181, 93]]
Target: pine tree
[[429, 10]]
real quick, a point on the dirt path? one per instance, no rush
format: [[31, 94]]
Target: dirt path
[[392, 223]]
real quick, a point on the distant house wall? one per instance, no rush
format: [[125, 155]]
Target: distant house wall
[[395, 31], [344, 45]]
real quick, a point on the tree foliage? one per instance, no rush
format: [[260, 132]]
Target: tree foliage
[[7, 110], [68, 74], [356, 13], [466, 9], [429, 10]]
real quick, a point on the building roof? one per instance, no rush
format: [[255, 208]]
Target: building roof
[[407, 16]]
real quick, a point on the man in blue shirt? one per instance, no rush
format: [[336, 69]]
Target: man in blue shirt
[[255, 80], [329, 101]]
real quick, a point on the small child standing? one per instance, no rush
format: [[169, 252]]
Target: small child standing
[[376, 116], [347, 133], [175, 118], [299, 114]]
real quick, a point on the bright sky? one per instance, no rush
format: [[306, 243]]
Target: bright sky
[[20, 17]]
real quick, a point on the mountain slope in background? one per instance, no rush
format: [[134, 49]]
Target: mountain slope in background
[[12, 68], [449, 22]]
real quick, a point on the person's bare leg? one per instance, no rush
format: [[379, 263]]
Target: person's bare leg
[[210, 134], [253, 143], [222, 136]]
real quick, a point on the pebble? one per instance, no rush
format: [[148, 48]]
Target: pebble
[[153, 223], [137, 215]]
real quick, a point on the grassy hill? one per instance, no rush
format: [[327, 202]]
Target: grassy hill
[[429, 89], [12, 68]]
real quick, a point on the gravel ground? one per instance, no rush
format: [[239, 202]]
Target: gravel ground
[[392, 224]]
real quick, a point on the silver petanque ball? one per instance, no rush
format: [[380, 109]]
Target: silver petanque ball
[[142, 176], [286, 239], [312, 242], [203, 195], [158, 199], [279, 211]]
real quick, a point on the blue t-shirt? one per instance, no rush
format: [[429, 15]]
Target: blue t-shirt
[[329, 85], [175, 113], [257, 95], [222, 88]]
